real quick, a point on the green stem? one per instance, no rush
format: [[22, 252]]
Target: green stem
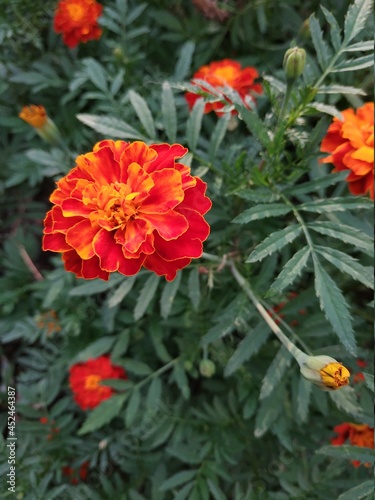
[[156, 374], [288, 92]]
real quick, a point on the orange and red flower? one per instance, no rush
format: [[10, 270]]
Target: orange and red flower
[[125, 206], [34, 115], [357, 435], [84, 381], [77, 20], [351, 144], [221, 74]]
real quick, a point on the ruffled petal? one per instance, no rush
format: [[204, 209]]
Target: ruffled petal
[[169, 226], [166, 156], [166, 194], [101, 166], [80, 237], [195, 198], [55, 243], [163, 268], [136, 152]]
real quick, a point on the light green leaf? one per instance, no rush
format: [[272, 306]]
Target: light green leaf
[[347, 451], [345, 233], [355, 18], [95, 349], [323, 52], [179, 478], [340, 89], [255, 125], [336, 205], [111, 127], [355, 64], [346, 400], [168, 295], [335, 31], [303, 399], [194, 290], [360, 46], [275, 372], [121, 291], [168, 109], [326, 108], [348, 264], [316, 184], [276, 241], [290, 271], [194, 123], [184, 61], [369, 379], [132, 407], [96, 286], [143, 112], [258, 195], [96, 73], [334, 305], [154, 394], [136, 367], [103, 414], [359, 491], [218, 136], [261, 212], [146, 296], [268, 412]]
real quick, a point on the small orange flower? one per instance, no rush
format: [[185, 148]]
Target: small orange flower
[[125, 206], [351, 144], [34, 115], [48, 321], [84, 381], [77, 20], [43, 420], [225, 73], [357, 435]]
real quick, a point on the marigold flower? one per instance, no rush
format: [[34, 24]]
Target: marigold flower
[[84, 381], [225, 73], [77, 20], [324, 371], [34, 115], [357, 435], [351, 144], [125, 206]]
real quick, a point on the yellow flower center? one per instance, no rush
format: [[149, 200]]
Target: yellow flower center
[[76, 11], [335, 375], [92, 382], [226, 74]]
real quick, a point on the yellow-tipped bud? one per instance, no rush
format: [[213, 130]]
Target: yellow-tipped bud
[[325, 372], [37, 117], [294, 62]]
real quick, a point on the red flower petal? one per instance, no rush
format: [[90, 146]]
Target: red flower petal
[[137, 152], [80, 237], [166, 194], [55, 243], [166, 156], [163, 268], [101, 166], [169, 226]]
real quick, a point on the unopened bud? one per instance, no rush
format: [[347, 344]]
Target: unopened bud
[[36, 116], [294, 62], [325, 372], [207, 368]]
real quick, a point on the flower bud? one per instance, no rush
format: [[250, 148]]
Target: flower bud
[[294, 62], [37, 117], [207, 368], [325, 372]]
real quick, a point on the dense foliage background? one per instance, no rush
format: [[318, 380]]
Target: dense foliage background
[[213, 406]]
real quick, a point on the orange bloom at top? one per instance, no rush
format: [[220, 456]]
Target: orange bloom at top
[[77, 20], [125, 206], [225, 73], [34, 115], [351, 144], [84, 381], [357, 435]]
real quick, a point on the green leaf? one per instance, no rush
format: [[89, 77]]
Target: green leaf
[[146, 296], [276, 241], [154, 394], [194, 123], [136, 367], [103, 414], [290, 271], [360, 46], [168, 295], [326, 108], [335, 31], [257, 195], [184, 61], [96, 73], [261, 212], [247, 348], [181, 380], [369, 379], [355, 18], [355, 64], [348, 264], [111, 127], [323, 52], [255, 125], [336, 205], [316, 184], [218, 136], [121, 291], [143, 112], [96, 286], [194, 290], [177, 479], [132, 407], [268, 412], [334, 305], [346, 400], [345, 233], [121, 345], [340, 89], [95, 349], [303, 399], [359, 491], [216, 491], [275, 372], [347, 451], [168, 110]]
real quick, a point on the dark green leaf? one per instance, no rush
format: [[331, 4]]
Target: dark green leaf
[[111, 127], [290, 271], [275, 372], [346, 452], [194, 290], [194, 123], [96, 286], [336, 205], [217, 136], [316, 184], [355, 64], [168, 109], [168, 295], [103, 414], [121, 291], [323, 52], [344, 233], [359, 491], [276, 241], [143, 112], [335, 31], [178, 479], [132, 407], [146, 296], [355, 18], [261, 212], [340, 89], [184, 62], [136, 367]]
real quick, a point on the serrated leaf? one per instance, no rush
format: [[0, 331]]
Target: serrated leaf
[[276, 241], [261, 212], [323, 52], [168, 295], [335, 29], [290, 271], [347, 451], [168, 109], [184, 61], [355, 18], [194, 290], [355, 64], [143, 112], [248, 346], [121, 291], [194, 123], [179, 478], [103, 414], [303, 399], [132, 407], [360, 46], [346, 400], [218, 136], [257, 195], [334, 306], [146, 296], [254, 124], [275, 372], [369, 379], [326, 108], [340, 89], [111, 127], [268, 412], [316, 184], [359, 491], [345, 233], [348, 264], [336, 205]]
